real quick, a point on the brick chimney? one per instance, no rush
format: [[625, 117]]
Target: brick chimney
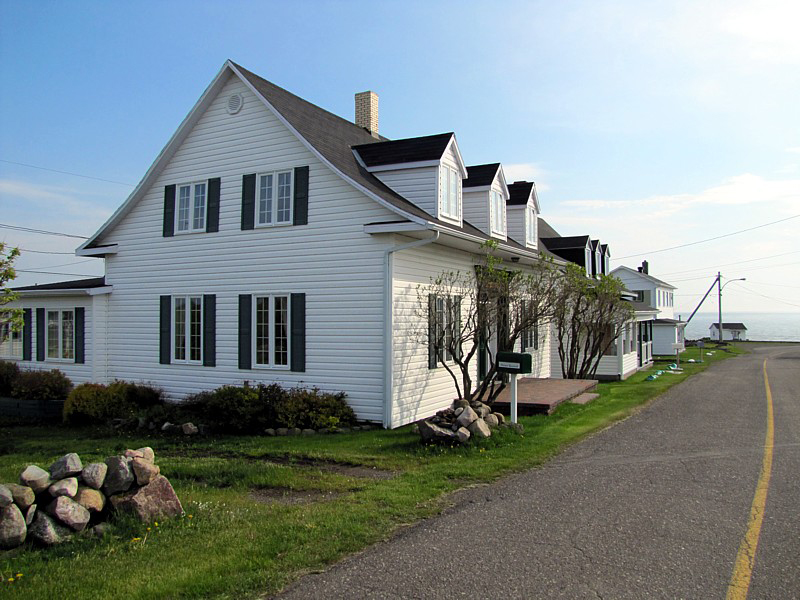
[[367, 112]]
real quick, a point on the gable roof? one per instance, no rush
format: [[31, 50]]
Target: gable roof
[[546, 230], [564, 243], [519, 192], [481, 175], [725, 325], [418, 149], [645, 276], [604, 249]]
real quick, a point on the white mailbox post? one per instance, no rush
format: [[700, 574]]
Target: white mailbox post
[[514, 363]]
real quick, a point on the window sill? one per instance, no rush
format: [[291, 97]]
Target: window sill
[[62, 361], [285, 368], [271, 225]]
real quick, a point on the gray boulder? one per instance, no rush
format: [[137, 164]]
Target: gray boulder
[[500, 417], [94, 475], [30, 514], [430, 432], [69, 512], [463, 435], [309, 432], [22, 494], [295, 431], [481, 409], [119, 477], [480, 429], [48, 531], [466, 417], [491, 420], [144, 471], [189, 429], [65, 487], [35, 478], [269, 431], [6, 497], [281, 431], [12, 527], [154, 501], [133, 454], [66, 466], [461, 403]]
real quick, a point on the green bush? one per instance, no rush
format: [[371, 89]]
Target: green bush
[[41, 385], [8, 375], [233, 409], [94, 403]]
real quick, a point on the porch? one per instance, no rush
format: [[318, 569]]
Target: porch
[[542, 396]]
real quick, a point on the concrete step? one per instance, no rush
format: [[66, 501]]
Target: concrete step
[[585, 398]]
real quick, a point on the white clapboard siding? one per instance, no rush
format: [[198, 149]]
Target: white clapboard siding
[[331, 260], [418, 185], [476, 209], [417, 391], [78, 373]]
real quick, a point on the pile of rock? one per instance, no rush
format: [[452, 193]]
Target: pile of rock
[[461, 422], [49, 506]]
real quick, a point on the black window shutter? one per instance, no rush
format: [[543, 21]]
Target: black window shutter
[[165, 331], [27, 329], [301, 196], [212, 212], [169, 211], [432, 331], [41, 330], [80, 334], [245, 331], [248, 202], [457, 324], [209, 330], [298, 328]]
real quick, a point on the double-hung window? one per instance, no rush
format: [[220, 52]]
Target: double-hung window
[[444, 327], [271, 331], [274, 195], [530, 335], [10, 341], [530, 227], [61, 334], [187, 329], [498, 213], [450, 182], [191, 209]]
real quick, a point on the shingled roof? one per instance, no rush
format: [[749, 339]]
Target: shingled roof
[[519, 192], [725, 325], [74, 284], [481, 175], [429, 147], [562, 243]]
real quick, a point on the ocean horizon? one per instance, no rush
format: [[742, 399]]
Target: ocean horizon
[[763, 327]]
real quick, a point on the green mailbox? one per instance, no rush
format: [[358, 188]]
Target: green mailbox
[[519, 363]]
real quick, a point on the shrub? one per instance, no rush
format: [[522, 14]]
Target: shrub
[[87, 404], [41, 385], [94, 403], [140, 396], [8, 375], [302, 407], [228, 409]]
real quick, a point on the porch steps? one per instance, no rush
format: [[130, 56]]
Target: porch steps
[[585, 398], [542, 396]]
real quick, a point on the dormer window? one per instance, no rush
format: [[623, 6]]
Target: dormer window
[[498, 213], [588, 261], [530, 226], [450, 182]]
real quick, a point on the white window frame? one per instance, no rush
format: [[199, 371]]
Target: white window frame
[[60, 356], [449, 181], [531, 226], [271, 332], [447, 319], [190, 225], [10, 342], [497, 212], [187, 330], [588, 259], [273, 212]]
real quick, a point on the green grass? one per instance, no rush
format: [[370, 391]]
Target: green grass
[[231, 545]]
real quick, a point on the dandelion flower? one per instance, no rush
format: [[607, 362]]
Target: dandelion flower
[[19, 575], [136, 539], [10, 580]]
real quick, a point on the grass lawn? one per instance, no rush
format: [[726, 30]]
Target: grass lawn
[[261, 511]]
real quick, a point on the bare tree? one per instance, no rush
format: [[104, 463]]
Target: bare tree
[[470, 315], [590, 314], [10, 318]]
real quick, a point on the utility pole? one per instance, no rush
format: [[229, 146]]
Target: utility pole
[[719, 305]]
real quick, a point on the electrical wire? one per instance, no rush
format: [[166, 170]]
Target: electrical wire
[[42, 231], [707, 239], [45, 251], [746, 289], [730, 264], [11, 162], [54, 273]]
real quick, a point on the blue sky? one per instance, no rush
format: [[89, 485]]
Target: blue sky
[[645, 124]]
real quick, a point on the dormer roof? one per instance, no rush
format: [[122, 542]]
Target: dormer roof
[[481, 175], [393, 152], [519, 192], [567, 243], [604, 249]]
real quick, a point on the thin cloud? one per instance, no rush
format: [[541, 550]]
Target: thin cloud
[[526, 172]]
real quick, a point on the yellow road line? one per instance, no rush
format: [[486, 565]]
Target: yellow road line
[[746, 557]]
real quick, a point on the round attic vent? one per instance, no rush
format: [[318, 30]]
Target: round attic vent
[[235, 103]]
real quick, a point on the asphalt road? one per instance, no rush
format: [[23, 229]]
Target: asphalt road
[[654, 507]]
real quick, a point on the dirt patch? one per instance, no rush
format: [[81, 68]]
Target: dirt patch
[[289, 496]]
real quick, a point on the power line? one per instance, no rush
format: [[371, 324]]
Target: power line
[[770, 297], [747, 270], [729, 264], [70, 264], [707, 239], [29, 230], [11, 162], [45, 251]]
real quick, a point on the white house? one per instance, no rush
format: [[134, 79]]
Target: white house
[[731, 332], [272, 241], [667, 330]]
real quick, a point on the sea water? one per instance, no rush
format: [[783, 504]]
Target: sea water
[[773, 327]]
